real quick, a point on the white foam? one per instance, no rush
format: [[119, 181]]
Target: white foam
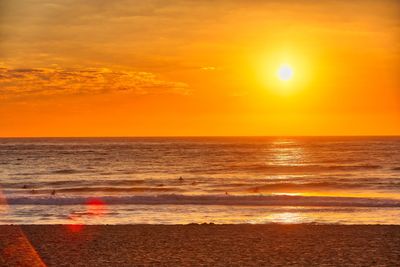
[[175, 199]]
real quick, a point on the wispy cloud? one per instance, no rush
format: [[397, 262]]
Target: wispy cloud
[[15, 83], [208, 68]]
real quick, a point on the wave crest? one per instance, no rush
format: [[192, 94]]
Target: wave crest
[[245, 200]]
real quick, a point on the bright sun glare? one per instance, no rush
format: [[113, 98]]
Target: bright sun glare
[[285, 72]]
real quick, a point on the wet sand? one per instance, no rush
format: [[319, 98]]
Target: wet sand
[[200, 245]]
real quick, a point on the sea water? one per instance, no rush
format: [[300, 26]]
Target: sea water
[[334, 180]]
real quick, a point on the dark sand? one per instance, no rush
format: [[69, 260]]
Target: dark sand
[[201, 245]]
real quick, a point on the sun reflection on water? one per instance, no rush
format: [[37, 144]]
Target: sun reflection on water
[[286, 217], [288, 156], [286, 194]]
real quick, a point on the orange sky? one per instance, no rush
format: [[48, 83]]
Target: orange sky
[[139, 68]]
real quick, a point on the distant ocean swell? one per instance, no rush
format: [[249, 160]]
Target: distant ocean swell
[[245, 200], [211, 186], [267, 168]]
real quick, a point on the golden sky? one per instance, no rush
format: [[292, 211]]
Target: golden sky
[[199, 67]]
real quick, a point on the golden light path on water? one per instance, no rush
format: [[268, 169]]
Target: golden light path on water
[[285, 155], [295, 155], [334, 215], [288, 154]]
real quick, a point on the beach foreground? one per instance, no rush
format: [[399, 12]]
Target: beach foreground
[[200, 245]]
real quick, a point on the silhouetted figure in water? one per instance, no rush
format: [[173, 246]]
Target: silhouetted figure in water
[[226, 193], [53, 192], [24, 187], [180, 179]]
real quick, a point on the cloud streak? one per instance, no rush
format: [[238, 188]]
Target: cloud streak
[[16, 83]]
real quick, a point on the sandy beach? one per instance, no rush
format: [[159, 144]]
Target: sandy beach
[[200, 245]]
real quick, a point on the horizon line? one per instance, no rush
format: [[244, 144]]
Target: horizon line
[[193, 136]]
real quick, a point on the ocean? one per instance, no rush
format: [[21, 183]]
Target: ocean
[[319, 180]]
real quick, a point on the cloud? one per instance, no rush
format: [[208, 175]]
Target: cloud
[[16, 83], [208, 68], [152, 33]]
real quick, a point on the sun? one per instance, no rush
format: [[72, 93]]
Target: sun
[[285, 72]]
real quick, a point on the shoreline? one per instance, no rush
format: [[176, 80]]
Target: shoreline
[[200, 244]]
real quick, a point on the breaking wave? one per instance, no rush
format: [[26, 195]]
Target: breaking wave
[[244, 200]]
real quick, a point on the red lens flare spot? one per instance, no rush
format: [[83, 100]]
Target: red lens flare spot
[[96, 207], [75, 228]]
